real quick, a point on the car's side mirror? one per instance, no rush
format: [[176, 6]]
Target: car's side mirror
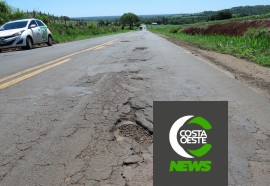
[[33, 26]]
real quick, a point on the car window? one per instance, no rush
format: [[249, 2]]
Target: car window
[[14, 25], [39, 23], [32, 23]]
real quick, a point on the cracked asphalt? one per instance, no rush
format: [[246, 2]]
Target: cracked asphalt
[[89, 121]]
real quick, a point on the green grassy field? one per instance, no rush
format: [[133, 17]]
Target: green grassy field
[[254, 45]]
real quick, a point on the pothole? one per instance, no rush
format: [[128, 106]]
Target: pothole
[[125, 41], [137, 60], [137, 78], [140, 48], [133, 60], [135, 132], [134, 71], [88, 81]]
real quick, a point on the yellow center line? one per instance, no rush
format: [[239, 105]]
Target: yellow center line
[[108, 44], [54, 61], [17, 80], [103, 45], [99, 47], [27, 70]]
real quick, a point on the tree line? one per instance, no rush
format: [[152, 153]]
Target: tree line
[[235, 12]]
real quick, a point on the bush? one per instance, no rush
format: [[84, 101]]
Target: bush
[[174, 31], [257, 33]]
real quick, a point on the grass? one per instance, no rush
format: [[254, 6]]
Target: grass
[[66, 33], [254, 45]]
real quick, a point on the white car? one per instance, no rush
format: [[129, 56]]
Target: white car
[[24, 33]]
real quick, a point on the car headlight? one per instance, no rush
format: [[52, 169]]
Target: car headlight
[[18, 33]]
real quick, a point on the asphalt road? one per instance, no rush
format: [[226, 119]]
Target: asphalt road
[[82, 112]]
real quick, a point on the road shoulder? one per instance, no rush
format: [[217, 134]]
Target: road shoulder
[[247, 72]]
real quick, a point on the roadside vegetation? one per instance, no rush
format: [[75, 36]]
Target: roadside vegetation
[[72, 32], [63, 28], [253, 45]]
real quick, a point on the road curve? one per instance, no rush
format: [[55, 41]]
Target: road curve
[[82, 112]]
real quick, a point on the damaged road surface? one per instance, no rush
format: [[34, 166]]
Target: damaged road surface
[[86, 116]]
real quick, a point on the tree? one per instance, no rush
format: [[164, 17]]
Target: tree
[[225, 14], [66, 18], [129, 19], [5, 11], [18, 14], [4, 7], [221, 15], [101, 23], [164, 20]]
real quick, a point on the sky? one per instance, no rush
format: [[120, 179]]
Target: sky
[[91, 8]]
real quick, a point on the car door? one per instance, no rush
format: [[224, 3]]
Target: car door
[[36, 31], [44, 31]]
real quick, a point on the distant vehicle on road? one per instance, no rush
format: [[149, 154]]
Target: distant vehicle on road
[[24, 33], [143, 27]]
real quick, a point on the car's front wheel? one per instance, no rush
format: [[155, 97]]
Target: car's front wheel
[[29, 43], [50, 41], [1, 50]]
